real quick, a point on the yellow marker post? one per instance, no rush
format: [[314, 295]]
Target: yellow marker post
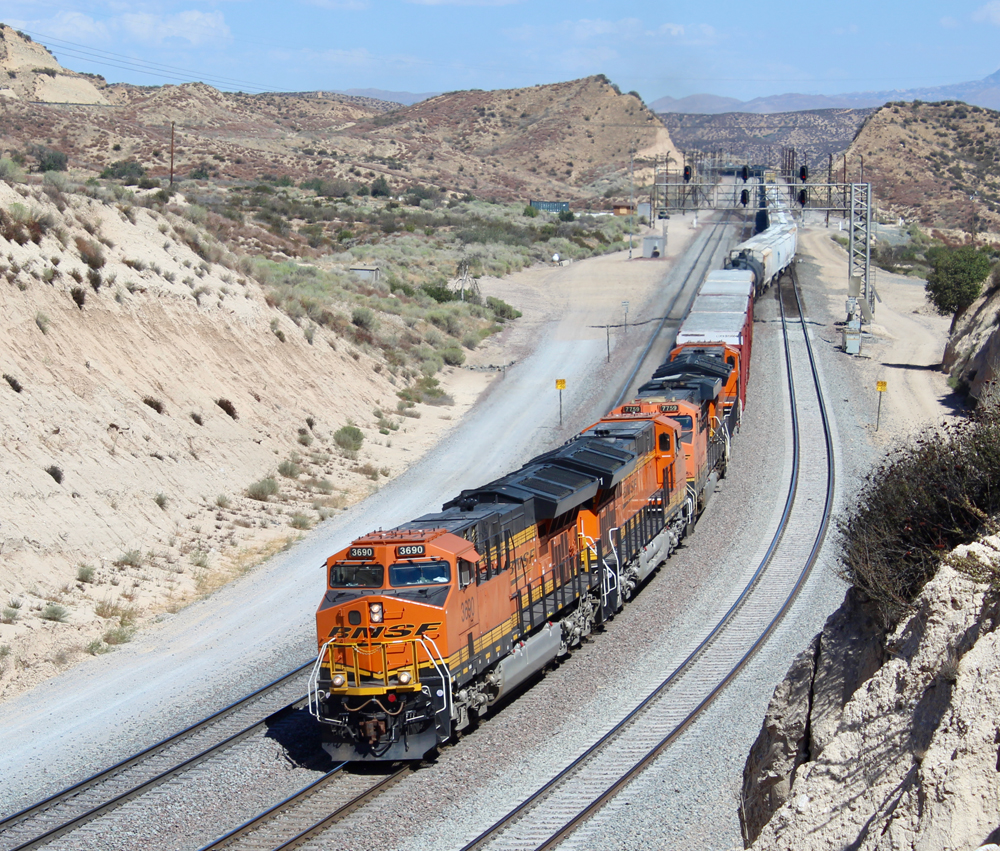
[[560, 386], [881, 386]]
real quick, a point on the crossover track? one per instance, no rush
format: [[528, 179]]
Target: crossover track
[[76, 805], [555, 814]]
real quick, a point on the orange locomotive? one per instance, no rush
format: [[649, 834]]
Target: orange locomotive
[[425, 626]]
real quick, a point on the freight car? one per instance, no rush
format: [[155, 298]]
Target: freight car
[[424, 627]]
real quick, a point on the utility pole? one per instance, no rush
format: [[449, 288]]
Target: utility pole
[[829, 190], [631, 201], [171, 153]]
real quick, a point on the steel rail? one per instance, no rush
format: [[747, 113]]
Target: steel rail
[[41, 808], [580, 762], [287, 808]]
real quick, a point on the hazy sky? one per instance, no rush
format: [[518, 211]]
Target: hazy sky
[[741, 50]]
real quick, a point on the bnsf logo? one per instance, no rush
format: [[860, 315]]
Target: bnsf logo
[[400, 630]]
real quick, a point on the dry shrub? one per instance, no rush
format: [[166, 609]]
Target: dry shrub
[[228, 407], [263, 489], [922, 501], [90, 252]]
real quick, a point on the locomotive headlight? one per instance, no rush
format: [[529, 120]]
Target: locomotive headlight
[[404, 678], [338, 681], [375, 612]]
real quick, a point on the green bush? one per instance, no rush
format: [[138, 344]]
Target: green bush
[[502, 310], [54, 612], [123, 170], [85, 573], [530, 212], [453, 356], [956, 279], [364, 318], [349, 438], [48, 159], [263, 489], [380, 187]]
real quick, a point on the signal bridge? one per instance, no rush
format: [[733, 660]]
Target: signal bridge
[[853, 201]]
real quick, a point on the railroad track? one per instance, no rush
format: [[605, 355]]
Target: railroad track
[[47, 820], [314, 809], [554, 814]]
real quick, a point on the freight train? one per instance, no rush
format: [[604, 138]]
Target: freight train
[[426, 626]]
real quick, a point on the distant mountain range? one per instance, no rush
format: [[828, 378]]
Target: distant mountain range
[[405, 98], [985, 92]]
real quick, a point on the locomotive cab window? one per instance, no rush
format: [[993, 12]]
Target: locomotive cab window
[[403, 574], [357, 576], [687, 427], [466, 572], [664, 442]]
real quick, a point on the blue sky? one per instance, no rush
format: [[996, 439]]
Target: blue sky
[[740, 50]]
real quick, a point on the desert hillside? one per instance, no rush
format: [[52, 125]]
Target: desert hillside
[[570, 140], [165, 425], [933, 163], [549, 140]]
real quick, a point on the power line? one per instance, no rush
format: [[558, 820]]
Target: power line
[[130, 63]]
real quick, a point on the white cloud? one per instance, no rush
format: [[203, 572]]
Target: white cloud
[[73, 26], [989, 13], [196, 28]]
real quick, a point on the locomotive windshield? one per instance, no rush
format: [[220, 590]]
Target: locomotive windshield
[[687, 427], [357, 576], [419, 573]]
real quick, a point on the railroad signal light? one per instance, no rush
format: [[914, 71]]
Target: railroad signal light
[[803, 197], [687, 174], [744, 197], [745, 174], [803, 173]]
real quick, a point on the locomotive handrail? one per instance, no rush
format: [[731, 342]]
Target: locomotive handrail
[[435, 658]]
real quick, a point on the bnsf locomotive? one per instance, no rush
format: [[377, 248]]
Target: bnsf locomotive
[[424, 627]]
